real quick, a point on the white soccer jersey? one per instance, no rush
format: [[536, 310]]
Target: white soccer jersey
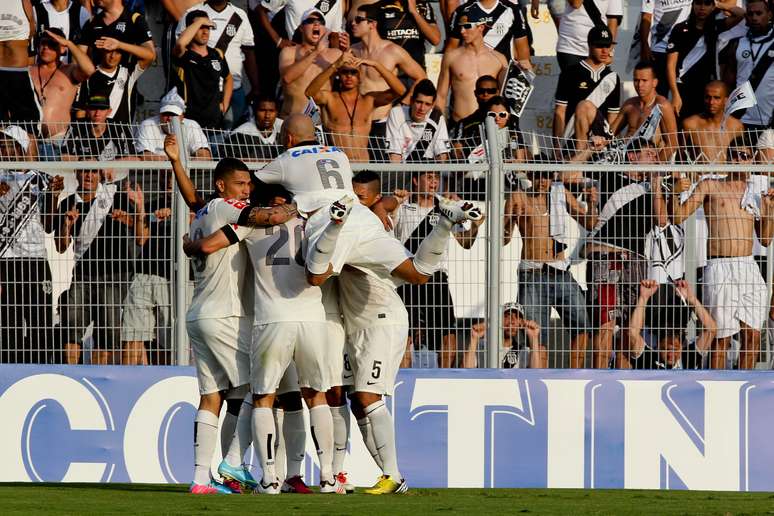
[[249, 128], [749, 52], [366, 301], [282, 293], [220, 278], [415, 141], [316, 175], [331, 9], [232, 32], [666, 14], [149, 136], [576, 24]]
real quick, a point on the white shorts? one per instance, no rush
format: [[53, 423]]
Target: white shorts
[[338, 367], [289, 382], [734, 292], [276, 345], [375, 355], [362, 242], [222, 360]]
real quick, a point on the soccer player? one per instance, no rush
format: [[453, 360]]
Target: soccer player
[[218, 321], [290, 327]]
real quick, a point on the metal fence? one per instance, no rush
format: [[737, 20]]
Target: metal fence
[[573, 232]]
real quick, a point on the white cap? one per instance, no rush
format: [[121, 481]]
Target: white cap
[[172, 103], [766, 140], [310, 12], [19, 135]]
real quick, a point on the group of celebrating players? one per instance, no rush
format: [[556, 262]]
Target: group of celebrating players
[[321, 322]]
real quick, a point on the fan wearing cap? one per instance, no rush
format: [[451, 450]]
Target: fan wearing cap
[[394, 58], [17, 28], [515, 353], [332, 10], [57, 84], [579, 17], [98, 138], [300, 64], [542, 214], [346, 113], [636, 111], [588, 95], [149, 138], [25, 280], [115, 27], [203, 76], [708, 134], [663, 310], [734, 290], [462, 66]]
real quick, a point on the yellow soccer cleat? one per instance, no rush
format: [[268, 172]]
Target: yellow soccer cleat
[[385, 485]]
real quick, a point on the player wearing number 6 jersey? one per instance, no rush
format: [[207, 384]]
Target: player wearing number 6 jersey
[[289, 326], [218, 321]]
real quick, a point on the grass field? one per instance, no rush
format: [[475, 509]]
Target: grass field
[[166, 499]]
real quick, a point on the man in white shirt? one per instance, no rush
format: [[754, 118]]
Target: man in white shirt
[[259, 137], [657, 19], [149, 137], [233, 36], [580, 17], [417, 132]]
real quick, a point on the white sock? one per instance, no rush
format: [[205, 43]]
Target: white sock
[[340, 417], [227, 432], [320, 254], [368, 438], [205, 434], [264, 434], [384, 437], [243, 435], [321, 423], [280, 462], [432, 249], [294, 433]]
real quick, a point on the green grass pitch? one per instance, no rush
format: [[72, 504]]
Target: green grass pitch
[[138, 499]]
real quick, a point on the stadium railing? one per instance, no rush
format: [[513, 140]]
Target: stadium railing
[[113, 304]]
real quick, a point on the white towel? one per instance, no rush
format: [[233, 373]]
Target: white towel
[[751, 200], [91, 225], [558, 218]]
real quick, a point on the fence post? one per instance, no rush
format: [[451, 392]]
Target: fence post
[[181, 261], [494, 221]]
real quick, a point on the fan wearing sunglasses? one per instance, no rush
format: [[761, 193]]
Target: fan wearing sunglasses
[[299, 64], [466, 133], [733, 289], [462, 66], [346, 113], [496, 108], [708, 134], [698, 36], [395, 59]]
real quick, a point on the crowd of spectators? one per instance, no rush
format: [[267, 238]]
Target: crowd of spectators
[[70, 70]]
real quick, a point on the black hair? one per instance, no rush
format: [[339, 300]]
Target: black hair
[[497, 99], [264, 193], [485, 78], [639, 143], [372, 11], [263, 97], [193, 15], [743, 140], [667, 315], [367, 176], [228, 166], [646, 65], [424, 87]]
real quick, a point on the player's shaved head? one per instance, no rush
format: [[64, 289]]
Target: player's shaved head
[[297, 128]]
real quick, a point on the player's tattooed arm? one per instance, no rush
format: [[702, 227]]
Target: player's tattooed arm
[[261, 217], [209, 244]]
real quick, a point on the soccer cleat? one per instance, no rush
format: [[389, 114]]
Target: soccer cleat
[[340, 209], [332, 487], [403, 487], [235, 486], [238, 474], [295, 484], [272, 488], [211, 488], [341, 478], [385, 485], [459, 211]]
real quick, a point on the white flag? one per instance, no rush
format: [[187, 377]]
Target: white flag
[[742, 97]]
